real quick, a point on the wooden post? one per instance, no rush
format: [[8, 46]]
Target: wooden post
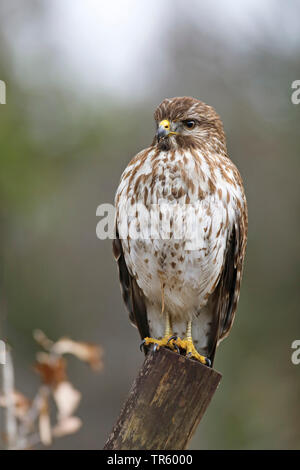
[[165, 404]]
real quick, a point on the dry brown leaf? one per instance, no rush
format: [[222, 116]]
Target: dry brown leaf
[[67, 426], [87, 352], [20, 402], [42, 339], [52, 369], [67, 399]]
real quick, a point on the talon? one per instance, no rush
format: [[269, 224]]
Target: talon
[[174, 345], [142, 344], [191, 352], [172, 337], [157, 343], [207, 362]]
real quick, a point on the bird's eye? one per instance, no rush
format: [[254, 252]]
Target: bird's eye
[[190, 124]]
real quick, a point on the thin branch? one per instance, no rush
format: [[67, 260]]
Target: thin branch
[[11, 429]]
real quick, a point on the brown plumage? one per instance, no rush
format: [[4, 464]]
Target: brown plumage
[[191, 281]]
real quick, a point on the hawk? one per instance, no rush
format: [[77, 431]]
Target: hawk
[[182, 290]]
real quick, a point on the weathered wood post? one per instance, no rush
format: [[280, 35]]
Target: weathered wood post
[[165, 405]]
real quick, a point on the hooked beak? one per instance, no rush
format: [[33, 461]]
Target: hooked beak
[[164, 129]]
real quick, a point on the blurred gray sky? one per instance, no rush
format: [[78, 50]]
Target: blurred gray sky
[[119, 46]]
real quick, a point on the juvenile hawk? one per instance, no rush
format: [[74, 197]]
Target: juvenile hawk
[[182, 290]]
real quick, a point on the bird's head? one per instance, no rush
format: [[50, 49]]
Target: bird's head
[[185, 122]]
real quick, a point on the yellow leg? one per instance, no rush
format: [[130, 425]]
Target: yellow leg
[[188, 345], [165, 341]]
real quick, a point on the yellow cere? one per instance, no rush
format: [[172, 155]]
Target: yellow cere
[[165, 123]]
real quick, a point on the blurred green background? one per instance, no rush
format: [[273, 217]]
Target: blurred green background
[[83, 79]]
